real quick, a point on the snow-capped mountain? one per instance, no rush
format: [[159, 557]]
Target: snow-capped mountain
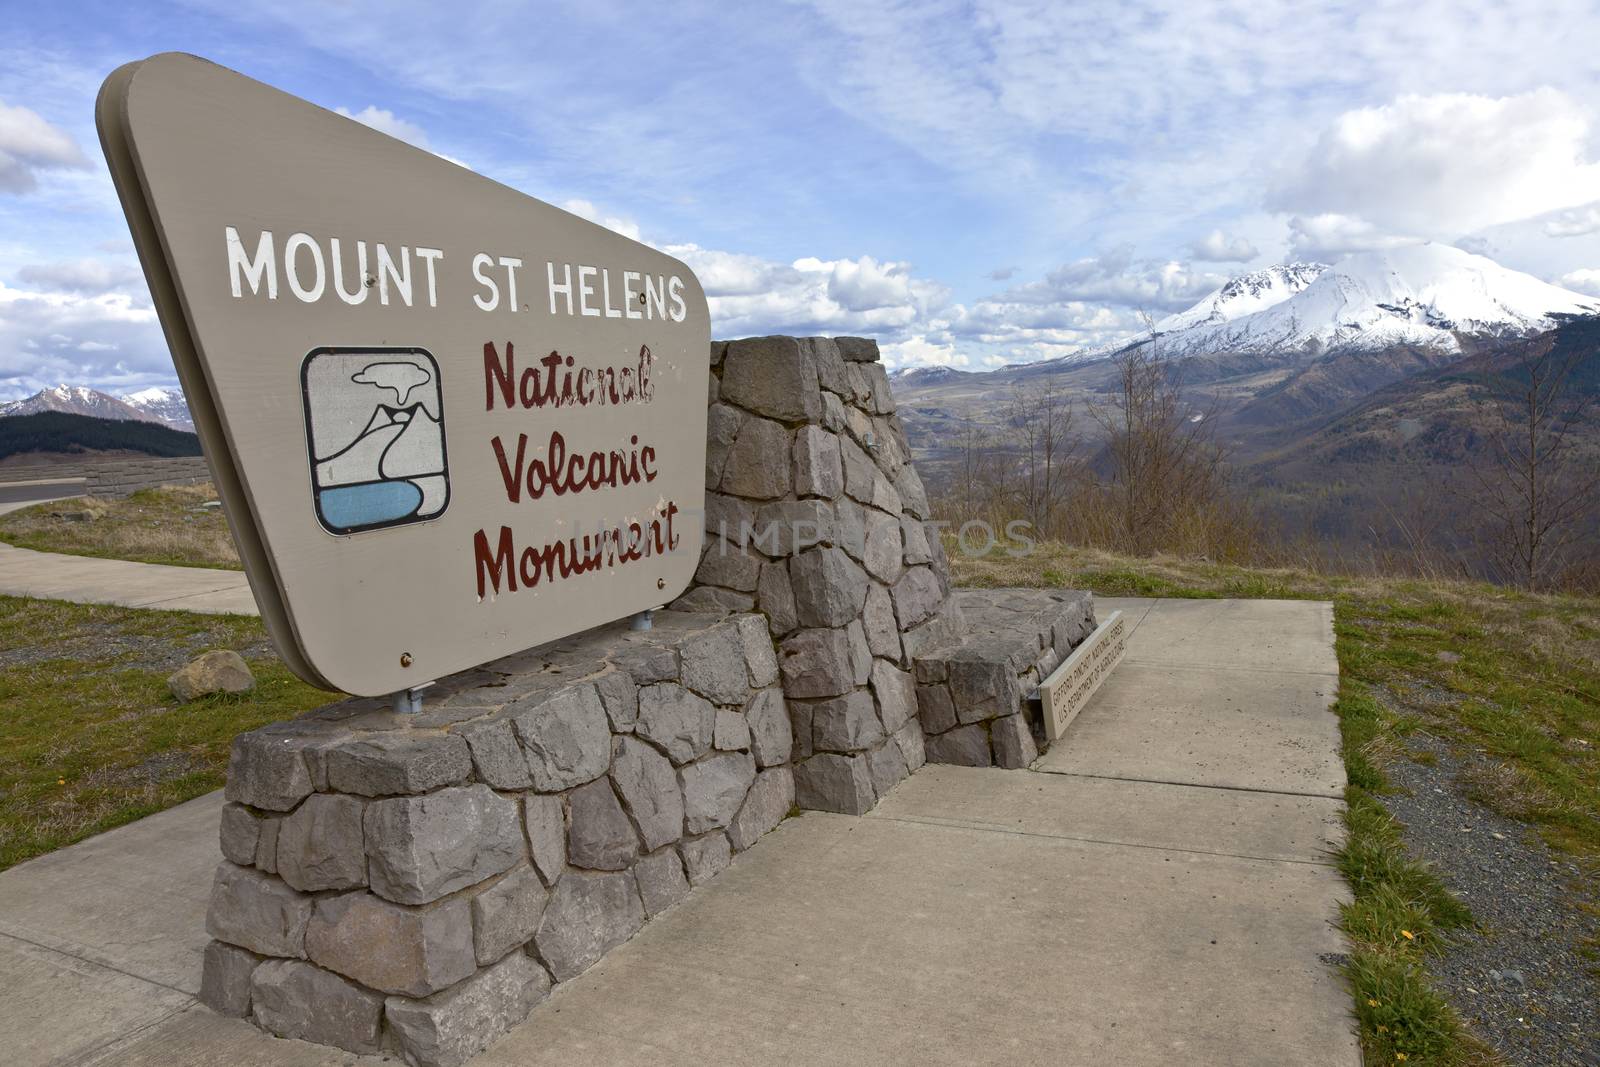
[[1246, 295], [164, 406], [1425, 295]]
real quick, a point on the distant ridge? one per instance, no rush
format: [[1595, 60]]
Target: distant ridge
[[161, 405], [60, 431]]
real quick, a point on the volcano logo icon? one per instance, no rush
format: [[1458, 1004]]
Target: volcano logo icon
[[375, 431]]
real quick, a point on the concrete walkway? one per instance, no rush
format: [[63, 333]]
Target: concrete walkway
[[1156, 891], [86, 580]]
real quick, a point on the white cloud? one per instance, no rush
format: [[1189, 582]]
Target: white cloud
[[586, 210], [1584, 280], [918, 351], [1448, 163], [29, 144], [47, 338], [1001, 274], [1218, 247], [1115, 277], [82, 276], [1331, 235], [1577, 222], [385, 121]]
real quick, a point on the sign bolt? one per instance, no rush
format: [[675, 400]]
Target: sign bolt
[[405, 659]]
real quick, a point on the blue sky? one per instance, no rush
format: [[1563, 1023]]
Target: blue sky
[[974, 184]]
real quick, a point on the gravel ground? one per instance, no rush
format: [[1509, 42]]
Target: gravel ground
[[99, 645], [1521, 983]]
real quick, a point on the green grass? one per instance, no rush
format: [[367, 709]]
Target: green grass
[[1513, 676], [162, 525], [91, 738]]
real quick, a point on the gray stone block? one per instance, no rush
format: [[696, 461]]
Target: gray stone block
[[913, 496], [831, 782], [496, 755], [567, 738], [295, 999], [775, 598], [937, 711], [713, 665], [845, 724], [545, 825], [760, 658], [238, 832], [915, 537], [828, 587], [675, 720], [732, 733], [395, 949], [713, 789], [886, 765], [830, 365], [833, 409], [983, 689], [1014, 747], [878, 381], [649, 789], [816, 663], [599, 833], [916, 596], [859, 470], [965, 746], [589, 914], [726, 564], [619, 695], [225, 972], [818, 467], [857, 349], [765, 806], [909, 738], [714, 600], [506, 915], [648, 664], [896, 691], [449, 1028], [397, 763], [883, 553], [787, 527], [771, 739], [257, 911], [943, 628], [661, 881], [267, 846], [266, 769], [758, 464], [320, 844], [722, 429], [773, 376], [421, 848], [705, 857], [878, 621], [860, 652]]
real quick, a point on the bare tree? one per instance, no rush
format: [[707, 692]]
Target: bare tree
[[1047, 461], [1168, 470], [1534, 484]]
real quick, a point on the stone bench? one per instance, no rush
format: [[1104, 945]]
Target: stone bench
[[972, 694], [418, 882]]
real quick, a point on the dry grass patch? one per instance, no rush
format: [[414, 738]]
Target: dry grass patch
[[169, 524]]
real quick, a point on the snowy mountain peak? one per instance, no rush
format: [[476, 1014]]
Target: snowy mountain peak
[[1424, 295], [1245, 295], [160, 405]]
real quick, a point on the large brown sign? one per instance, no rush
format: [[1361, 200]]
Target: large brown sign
[[447, 421]]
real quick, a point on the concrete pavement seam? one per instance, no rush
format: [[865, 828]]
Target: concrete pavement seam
[[1193, 785]]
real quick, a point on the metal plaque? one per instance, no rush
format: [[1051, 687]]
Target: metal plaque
[[447, 421], [1068, 688]]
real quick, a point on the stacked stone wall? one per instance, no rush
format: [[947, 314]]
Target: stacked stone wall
[[815, 517], [113, 475], [418, 883]]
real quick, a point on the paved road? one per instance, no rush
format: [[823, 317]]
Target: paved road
[[1156, 891], [22, 494]]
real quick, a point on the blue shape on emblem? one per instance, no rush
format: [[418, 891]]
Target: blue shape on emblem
[[351, 507]]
